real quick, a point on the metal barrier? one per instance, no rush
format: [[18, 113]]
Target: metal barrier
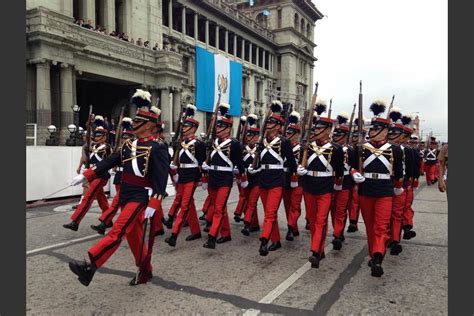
[[35, 132]]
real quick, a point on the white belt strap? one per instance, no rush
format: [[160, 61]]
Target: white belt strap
[[312, 173], [373, 175], [381, 157], [271, 151], [119, 169], [271, 166], [221, 168], [187, 165], [136, 170]]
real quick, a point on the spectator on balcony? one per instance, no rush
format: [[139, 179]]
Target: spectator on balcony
[[113, 34], [125, 37], [88, 25], [79, 22], [147, 44], [156, 47], [132, 41], [139, 42]]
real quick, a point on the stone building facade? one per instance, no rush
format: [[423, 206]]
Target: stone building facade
[[68, 64]]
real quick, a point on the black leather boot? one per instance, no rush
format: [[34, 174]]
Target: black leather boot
[[169, 222], [223, 239], [99, 228], [395, 249], [171, 240], [237, 218], [263, 247], [208, 227], [245, 231], [314, 259], [85, 271], [352, 228], [376, 268], [193, 237], [72, 226], [210, 243], [336, 244], [289, 234], [274, 246]]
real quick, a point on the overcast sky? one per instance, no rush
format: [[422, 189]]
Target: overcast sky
[[395, 47]]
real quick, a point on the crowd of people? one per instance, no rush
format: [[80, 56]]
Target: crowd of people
[[119, 35]]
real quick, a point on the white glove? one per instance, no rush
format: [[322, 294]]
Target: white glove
[[244, 184], [398, 191], [175, 178], [301, 171], [337, 187], [173, 166], [205, 167], [204, 186], [236, 171], [251, 170], [294, 184], [78, 179], [358, 178], [149, 212]]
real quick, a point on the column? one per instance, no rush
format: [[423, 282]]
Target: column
[[43, 100], [109, 15], [170, 15], [196, 16], [207, 33], [88, 11], [183, 21], [166, 109], [217, 38], [226, 41], [30, 94], [66, 7], [243, 49], [257, 52], [67, 115], [235, 45], [176, 104]]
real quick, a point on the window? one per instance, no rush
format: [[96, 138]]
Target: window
[[296, 21], [202, 29], [302, 26], [75, 10], [258, 94], [279, 63], [212, 34], [308, 30], [261, 19], [120, 16], [239, 47], [164, 12], [189, 22], [279, 18], [230, 43], [244, 87], [177, 18], [267, 60], [222, 39], [185, 64], [254, 54]]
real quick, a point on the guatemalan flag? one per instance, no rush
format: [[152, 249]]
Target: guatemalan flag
[[214, 71]]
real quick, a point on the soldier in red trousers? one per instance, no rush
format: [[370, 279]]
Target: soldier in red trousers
[[145, 162], [99, 151], [380, 178], [421, 149], [322, 175], [273, 152], [397, 137], [226, 154], [252, 191], [293, 190], [431, 161], [342, 198], [241, 204], [186, 175], [354, 207], [107, 216]]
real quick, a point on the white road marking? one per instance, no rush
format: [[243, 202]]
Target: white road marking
[[62, 244], [282, 287]]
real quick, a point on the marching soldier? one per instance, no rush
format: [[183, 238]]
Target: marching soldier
[[99, 151], [397, 137], [186, 175], [380, 161], [107, 216], [421, 149], [273, 152], [431, 161], [322, 175], [145, 162], [293, 190], [241, 204], [252, 191], [342, 198], [226, 153], [354, 207]]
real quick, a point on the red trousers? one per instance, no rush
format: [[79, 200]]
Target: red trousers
[[271, 199], [173, 211], [95, 191], [220, 219], [292, 201], [422, 167], [242, 201], [376, 212], [354, 207], [339, 209], [206, 204], [188, 208], [129, 224], [251, 214], [317, 210], [399, 204], [408, 212], [431, 173], [109, 214]]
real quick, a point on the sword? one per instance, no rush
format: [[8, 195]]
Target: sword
[[145, 224], [47, 196]]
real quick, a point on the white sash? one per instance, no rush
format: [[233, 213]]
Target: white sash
[[221, 154], [381, 157], [250, 152], [347, 168], [431, 154], [270, 150], [136, 170], [321, 157], [95, 151], [188, 153]]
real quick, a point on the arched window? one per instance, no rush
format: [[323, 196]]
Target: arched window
[[261, 19], [308, 30], [297, 19], [302, 26]]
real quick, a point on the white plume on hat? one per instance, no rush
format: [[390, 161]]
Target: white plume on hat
[[127, 119], [321, 101], [243, 118], [191, 106], [344, 114], [225, 105], [278, 102], [142, 94], [98, 118], [155, 110], [254, 116], [296, 114]]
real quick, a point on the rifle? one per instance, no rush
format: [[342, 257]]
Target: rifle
[[175, 140], [360, 142], [304, 157], [263, 134], [351, 122], [289, 109], [119, 130], [390, 107], [211, 130], [88, 137], [330, 108]]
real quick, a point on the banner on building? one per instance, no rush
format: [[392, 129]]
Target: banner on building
[[214, 73]]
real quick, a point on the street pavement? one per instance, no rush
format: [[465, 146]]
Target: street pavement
[[234, 278]]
